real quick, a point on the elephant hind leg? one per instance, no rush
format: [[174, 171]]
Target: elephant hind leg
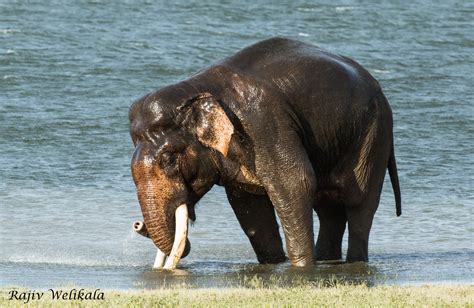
[[360, 222], [332, 224], [256, 216]]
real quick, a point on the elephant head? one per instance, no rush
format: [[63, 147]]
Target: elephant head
[[177, 140]]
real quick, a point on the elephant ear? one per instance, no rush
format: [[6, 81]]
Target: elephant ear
[[212, 126]]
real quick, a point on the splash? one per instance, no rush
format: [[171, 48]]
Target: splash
[[9, 31], [131, 254]]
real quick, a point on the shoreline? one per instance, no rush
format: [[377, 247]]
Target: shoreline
[[301, 296]]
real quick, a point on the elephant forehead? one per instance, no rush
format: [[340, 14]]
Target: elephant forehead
[[158, 113], [153, 118]]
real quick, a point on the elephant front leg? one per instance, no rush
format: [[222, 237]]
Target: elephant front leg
[[257, 218], [290, 182], [297, 220]]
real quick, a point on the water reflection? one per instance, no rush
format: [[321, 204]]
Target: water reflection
[[385, 268], [229, 274]]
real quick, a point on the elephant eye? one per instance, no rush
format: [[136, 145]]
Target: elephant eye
[[168, 159]]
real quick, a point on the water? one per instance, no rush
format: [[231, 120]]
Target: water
[[69, 71]]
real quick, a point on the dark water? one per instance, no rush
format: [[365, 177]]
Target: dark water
[[69, 71]]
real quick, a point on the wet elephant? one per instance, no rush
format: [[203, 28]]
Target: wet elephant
[[286, 128]]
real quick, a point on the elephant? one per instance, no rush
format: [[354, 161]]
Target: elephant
[[286, 128]]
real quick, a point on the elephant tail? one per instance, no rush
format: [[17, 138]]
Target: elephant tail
[[392, 170]]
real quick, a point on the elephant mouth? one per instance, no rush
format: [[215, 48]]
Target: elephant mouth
[[180, 243]]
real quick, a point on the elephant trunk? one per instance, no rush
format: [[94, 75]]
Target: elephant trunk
[[159, 226], [157, 195], [140, 228], [167, 229]]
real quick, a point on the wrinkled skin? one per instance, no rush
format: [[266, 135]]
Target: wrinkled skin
[[286, 127]]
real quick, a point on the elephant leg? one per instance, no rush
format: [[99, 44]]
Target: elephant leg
[[257, 218], [288, 176], [332, 224], [359, 220]]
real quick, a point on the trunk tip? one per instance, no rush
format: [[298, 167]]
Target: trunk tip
[[137, 225]]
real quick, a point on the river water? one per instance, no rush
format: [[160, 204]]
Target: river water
[[69, 71]]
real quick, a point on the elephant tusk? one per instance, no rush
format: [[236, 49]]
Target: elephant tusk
[[180, 235], [160, 259]]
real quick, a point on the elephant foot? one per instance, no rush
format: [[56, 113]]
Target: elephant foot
[[303, 262], [272, 260], [328, 252]]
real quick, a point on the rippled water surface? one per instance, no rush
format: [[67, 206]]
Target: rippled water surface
[[69, 71]]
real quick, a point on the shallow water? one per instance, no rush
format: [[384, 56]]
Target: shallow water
[[68, 73]]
